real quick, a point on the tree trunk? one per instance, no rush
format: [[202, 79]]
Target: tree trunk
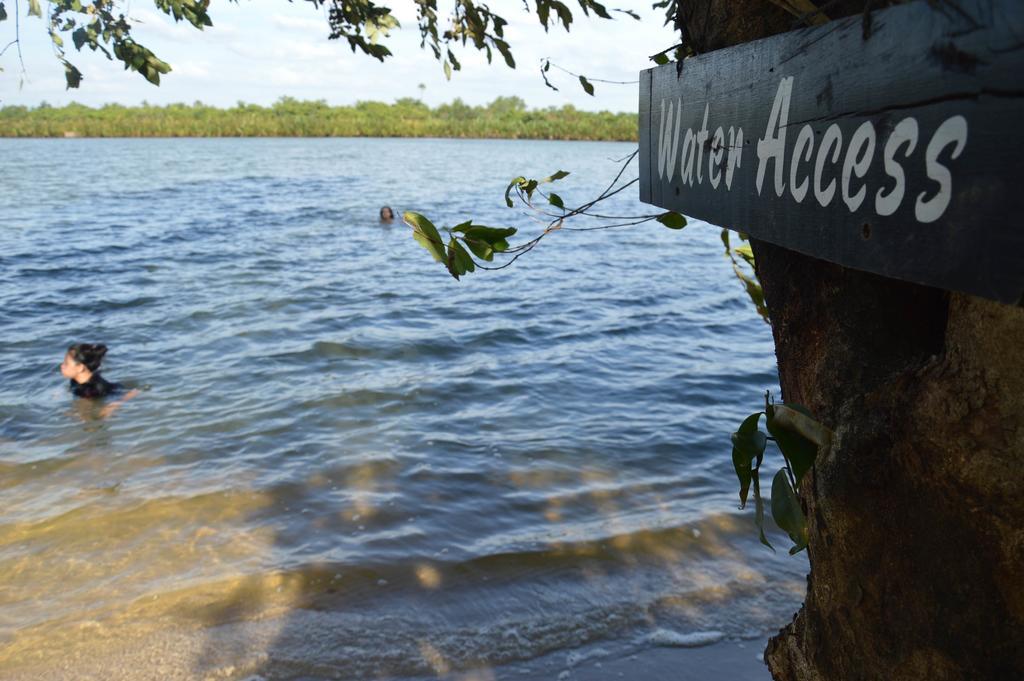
[[915, 516], [916, 527]]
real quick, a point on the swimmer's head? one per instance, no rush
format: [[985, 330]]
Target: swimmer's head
[[386, 214], [82, 359]]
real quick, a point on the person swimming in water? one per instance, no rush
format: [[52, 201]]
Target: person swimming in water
[[81, 366], [386, 214]]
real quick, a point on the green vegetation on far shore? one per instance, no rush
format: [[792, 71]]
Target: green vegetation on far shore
[[505, 117]]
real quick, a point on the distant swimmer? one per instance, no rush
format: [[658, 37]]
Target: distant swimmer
[[81, 366], [386, 214]]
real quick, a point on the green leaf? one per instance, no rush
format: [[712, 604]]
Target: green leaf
[[672, 220], [787, 513], [800, 408], [456, 66], [660, 59], [597, 7], [798, 450], [491, 235], [587, 87], [377, 51], [481, 249], [449, 262], [556, 200], [72, 75], [485, 241], [157, 64], [506, 53], [426, 234], [33, 8], [748, 443], [3, 12], [753, 289], [759, 510], [745, 252], [458, 260], [447, 71], [752, 286], [528, 187], [464, 258], [563, 13], [508, 190], [743, 471]]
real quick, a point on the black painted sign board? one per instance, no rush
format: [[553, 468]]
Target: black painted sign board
[[900, 154]]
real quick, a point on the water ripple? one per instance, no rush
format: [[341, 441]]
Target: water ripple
[[545, 447]]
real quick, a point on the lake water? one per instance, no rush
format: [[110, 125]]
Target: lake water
[[344, 463]]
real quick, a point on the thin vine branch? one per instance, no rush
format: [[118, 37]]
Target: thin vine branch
[[17, 36], [595, 80], [558, 221]]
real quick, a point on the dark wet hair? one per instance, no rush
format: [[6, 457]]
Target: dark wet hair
[[88, 354], [390, 212]]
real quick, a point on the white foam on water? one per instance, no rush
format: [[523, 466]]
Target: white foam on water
[[578, 657], [676, 639]]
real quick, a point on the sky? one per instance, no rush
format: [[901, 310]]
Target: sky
[[260, 50]]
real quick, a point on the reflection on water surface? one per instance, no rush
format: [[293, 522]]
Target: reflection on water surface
[[347, 465]]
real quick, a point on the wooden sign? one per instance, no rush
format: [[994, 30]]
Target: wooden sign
[[899, 153]]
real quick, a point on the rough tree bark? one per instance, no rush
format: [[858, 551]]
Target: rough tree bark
[[915, 514]]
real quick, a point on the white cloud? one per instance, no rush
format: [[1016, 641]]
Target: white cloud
[[192, 69], [288, 77], [302, 24], [328, 50], [247, 49]]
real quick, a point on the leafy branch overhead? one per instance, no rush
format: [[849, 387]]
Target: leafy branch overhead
[[486, 242], [483, 241], [554, 209], [103, 26], [106, 26]]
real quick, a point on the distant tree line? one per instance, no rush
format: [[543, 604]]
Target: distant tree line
[[505, 117]]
